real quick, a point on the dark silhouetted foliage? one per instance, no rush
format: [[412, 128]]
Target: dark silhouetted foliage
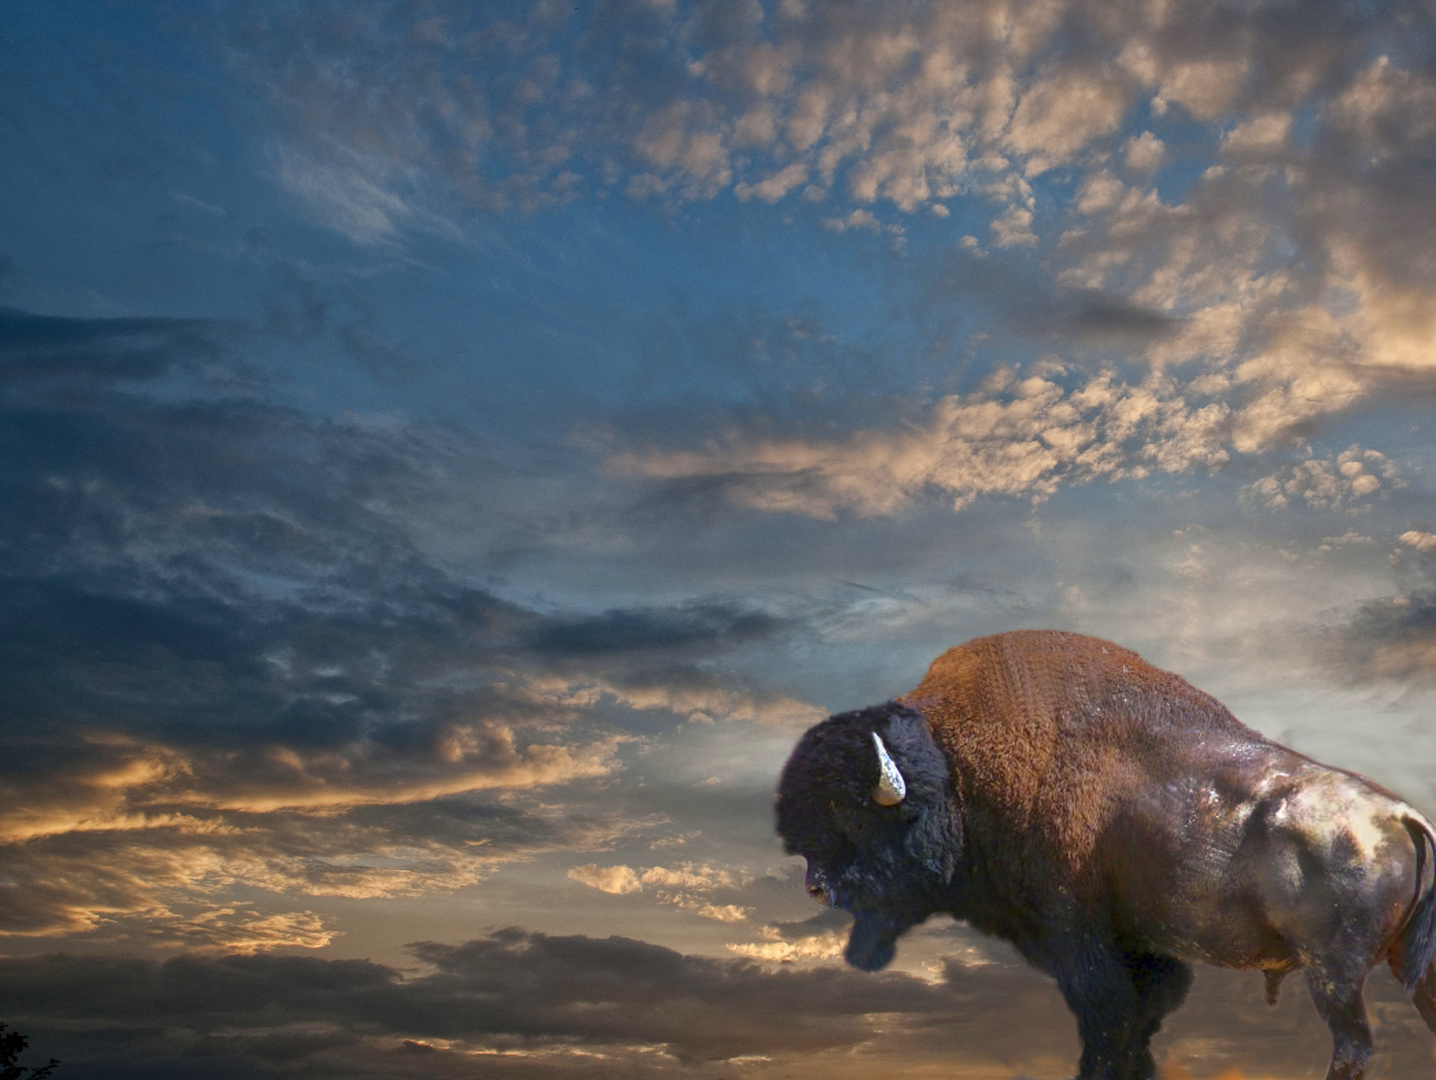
[[12, 1045]]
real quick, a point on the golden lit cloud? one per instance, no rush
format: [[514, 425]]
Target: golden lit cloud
[[616, 880], [1354, 475], [1419, 539], [138, 785], [699, 704], [827, 946], [686, 887], [1017, 437]]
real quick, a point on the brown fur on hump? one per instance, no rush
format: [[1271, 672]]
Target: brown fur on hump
[[1047, 729]]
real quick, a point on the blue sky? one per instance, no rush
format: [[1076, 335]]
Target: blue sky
[[452, 451]]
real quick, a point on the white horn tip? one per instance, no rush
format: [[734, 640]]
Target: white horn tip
[[891, 789]]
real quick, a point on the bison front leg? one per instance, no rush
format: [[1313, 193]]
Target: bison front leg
[[1337, 995], [1120, 1000], [1162, 984]]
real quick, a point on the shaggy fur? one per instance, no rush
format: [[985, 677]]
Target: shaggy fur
[[1114, 823]]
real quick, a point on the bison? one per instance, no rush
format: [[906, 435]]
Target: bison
[[1114, 823]]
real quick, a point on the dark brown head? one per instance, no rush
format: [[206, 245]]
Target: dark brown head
[[866, 797]]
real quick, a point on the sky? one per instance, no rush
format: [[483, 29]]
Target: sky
[[450, 452]]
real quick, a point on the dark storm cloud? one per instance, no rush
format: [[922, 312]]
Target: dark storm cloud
[[1100, 318], [247, 548], [697, 627], [1392, 638], [511, 991], [528, 1004], [49, 346], [1076, 318]]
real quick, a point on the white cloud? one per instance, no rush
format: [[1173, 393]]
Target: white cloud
[[1205, 88], [342, 197], [858, 219], [1014, 228], [1420, 540], [1060, 114], [776, 186], [1144, 153], [616, 880], [1264, 132], [1354, 475]]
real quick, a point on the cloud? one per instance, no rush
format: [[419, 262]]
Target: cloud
[[904, 105], [822, 937], [1285, 246], [52, 347], [610, 879], [1061, 113], [1392, 638], [173, 878], [858, 219], [1353, 475], [703, 626], [774, 187], [230, 666], [696, 695], [1022, 437], [1014, 228], [366, 210], [687, 887], [1144, 153], [523, 1004]]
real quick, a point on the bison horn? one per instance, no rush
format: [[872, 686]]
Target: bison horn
[[891, 788]]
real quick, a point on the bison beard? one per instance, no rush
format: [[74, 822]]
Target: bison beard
[[1114, 823]]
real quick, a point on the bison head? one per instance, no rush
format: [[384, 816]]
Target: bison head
[[867, 798]]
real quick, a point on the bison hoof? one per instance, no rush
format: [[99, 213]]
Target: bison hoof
[[869, 954]]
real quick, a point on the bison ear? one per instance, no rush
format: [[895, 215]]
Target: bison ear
[[934, 834], [891, 788], [935, 838]]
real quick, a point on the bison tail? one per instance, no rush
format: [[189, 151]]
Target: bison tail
[[1417, 946]]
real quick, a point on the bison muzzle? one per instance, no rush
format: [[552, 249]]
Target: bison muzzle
[[1114, 824]]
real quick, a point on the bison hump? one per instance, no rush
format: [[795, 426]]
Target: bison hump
[[1045, 729]]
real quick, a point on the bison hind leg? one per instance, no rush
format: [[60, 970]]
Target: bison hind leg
[[1337, 996], [1424, 995]]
